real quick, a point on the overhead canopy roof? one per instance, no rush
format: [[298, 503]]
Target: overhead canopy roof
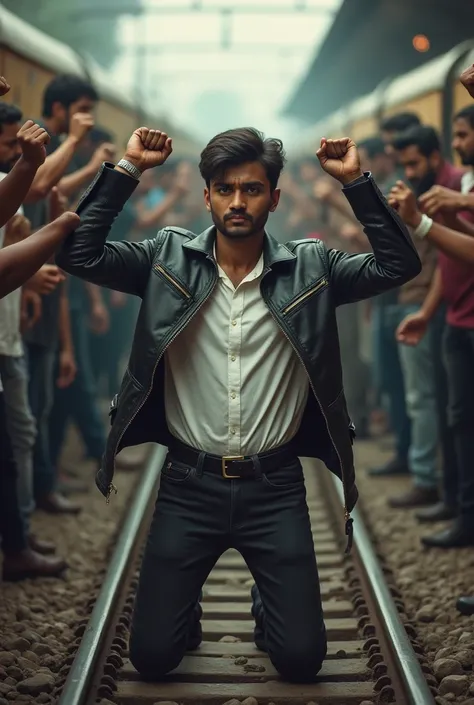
[[371, 40]]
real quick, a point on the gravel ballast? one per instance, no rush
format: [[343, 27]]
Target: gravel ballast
[[429, 580], [39, 618]]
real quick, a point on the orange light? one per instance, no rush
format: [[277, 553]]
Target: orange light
[[421, 43]]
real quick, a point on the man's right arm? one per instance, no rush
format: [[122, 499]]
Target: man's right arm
[[123, 266], [86, 254]]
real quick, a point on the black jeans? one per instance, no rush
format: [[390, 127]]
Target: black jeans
[[459, 357], [198, 516], [12, 532]]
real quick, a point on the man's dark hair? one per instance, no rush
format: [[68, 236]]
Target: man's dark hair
[[66, 89], [466, 114], [9, 115], [424, 137], [374, 146], [400, 122], [239, 146]]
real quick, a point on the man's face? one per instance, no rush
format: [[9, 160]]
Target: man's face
[[241, 201], [463, 141], [10, 150], [420, 171]]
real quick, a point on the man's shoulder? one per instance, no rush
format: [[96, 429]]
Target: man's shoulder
[[170, 237], [306, 245], [181, 234]]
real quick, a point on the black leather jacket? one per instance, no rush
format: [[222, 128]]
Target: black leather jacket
[[302, 284]]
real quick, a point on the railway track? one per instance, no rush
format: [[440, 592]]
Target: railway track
[[370, 655]]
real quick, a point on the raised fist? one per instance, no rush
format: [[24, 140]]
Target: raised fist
[[32, 139], [148, 148], [340, 159], [4, 86], [80, 124], [439, 198], [467, 80], [403, 200]]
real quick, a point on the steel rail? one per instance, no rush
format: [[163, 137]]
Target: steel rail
[[404, 657], [77, 684]]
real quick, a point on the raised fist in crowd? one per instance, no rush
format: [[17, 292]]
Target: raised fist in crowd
[[4, 86], [21, 260], [340, 159], [33, 140], [148, 148], [80, 124]]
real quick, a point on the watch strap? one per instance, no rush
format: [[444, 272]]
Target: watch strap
[[130, 168]]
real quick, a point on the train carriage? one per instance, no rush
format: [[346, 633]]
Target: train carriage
[[29, 59]]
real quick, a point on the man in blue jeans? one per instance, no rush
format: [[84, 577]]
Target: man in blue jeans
[[68, 103]]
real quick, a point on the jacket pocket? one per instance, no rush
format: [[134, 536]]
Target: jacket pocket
[[301, 298], [162, 272]]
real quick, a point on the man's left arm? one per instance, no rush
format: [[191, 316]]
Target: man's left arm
[[394, 259]]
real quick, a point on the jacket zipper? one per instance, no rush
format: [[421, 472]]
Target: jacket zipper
[[112, 487], [347, 516], [304, 296], [172, 281]]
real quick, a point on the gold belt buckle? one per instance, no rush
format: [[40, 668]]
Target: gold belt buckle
[[224, 461]]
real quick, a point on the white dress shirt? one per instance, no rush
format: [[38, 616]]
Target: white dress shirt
[[233, 383]]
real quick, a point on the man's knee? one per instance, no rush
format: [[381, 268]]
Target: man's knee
[[153, 658], [300, 662]]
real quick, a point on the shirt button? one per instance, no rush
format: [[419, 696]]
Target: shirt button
[[233, 358], [233, 395], [234, 323], [233, 431]]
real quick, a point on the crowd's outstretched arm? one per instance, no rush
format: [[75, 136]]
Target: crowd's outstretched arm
[[20, 261], [123, 266], [451, 242]]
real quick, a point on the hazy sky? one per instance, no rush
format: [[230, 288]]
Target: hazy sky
[[204, 87]]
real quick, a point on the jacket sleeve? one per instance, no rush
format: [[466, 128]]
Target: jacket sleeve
[[394, 260], [123, 266]]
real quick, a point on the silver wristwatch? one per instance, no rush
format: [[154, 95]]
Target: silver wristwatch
[[130, 168]]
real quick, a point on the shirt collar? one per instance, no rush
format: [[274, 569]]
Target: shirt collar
[[254, 274]]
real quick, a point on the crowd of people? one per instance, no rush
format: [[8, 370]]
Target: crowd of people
[[62, 339]]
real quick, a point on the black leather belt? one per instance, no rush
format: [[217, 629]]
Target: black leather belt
[[233, 466]]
